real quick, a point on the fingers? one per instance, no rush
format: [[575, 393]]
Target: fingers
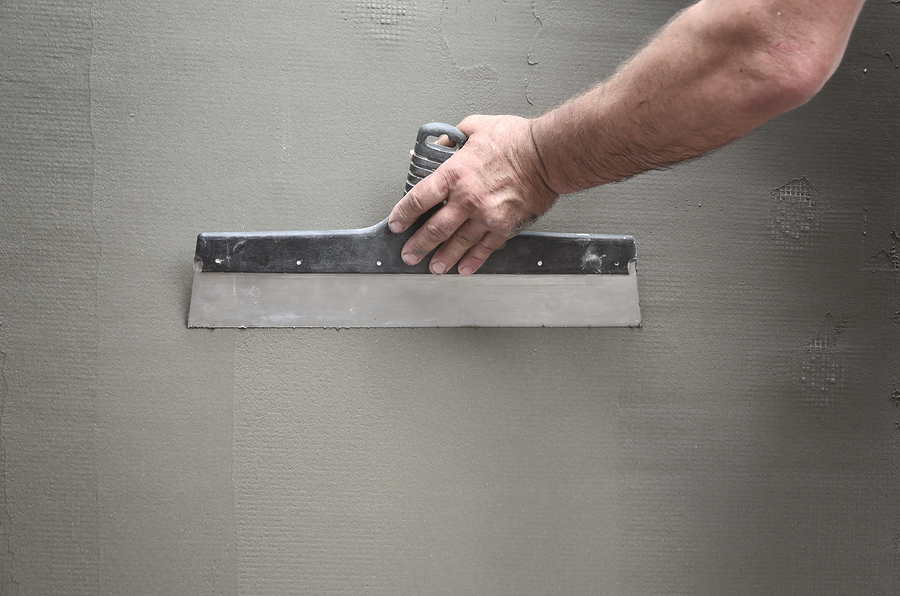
[[471, 123], [490, 189], [455, 247], [422, 197], [470, 246], [439, 227], [445, 141], [478, 254]]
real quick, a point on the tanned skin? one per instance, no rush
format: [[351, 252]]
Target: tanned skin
[[715, 72]]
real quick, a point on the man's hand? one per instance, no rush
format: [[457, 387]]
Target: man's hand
[[493, 187], [718, 70]]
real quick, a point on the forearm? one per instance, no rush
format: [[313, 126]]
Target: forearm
[[718, 70]]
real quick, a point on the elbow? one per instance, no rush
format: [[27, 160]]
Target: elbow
[[790, 65], [766, 86], [789, 81], [779, 61]]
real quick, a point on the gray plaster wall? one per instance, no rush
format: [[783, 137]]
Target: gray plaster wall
[[743, 441]]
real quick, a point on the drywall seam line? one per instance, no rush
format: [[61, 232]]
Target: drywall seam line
[[95, 289]]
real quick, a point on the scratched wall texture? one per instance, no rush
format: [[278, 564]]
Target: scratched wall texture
[[744, 441]]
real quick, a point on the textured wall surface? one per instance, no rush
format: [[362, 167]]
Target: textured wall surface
[[745, 440]]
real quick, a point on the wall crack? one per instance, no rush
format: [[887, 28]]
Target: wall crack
[[532, 60]]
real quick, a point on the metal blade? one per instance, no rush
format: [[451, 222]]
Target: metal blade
[[378, 300]]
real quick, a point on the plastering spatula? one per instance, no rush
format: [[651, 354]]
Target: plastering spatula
[[356, 278]]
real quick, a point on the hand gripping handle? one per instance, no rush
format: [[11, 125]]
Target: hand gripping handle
[[427, 155]]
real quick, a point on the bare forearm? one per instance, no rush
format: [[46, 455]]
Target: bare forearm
[[716, 71]]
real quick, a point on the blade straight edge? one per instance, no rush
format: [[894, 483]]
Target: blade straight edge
[[415, 300]]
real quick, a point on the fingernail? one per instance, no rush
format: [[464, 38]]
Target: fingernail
[[438, 268], [409, 258], [465, 271], [395, 226]]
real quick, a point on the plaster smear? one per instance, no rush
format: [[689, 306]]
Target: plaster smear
[[586, 42], [887, 259], [493, 35]]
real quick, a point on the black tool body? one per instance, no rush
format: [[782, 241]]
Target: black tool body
[[377, 250]]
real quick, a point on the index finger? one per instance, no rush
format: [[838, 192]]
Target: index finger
[[423, 196]]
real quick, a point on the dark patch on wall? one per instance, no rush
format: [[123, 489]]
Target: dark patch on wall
[[389, 21], [796, 220], [823, 368]]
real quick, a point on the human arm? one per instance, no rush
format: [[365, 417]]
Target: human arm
[[716, 71]]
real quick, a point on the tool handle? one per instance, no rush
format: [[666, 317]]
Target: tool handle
[[428, 155]]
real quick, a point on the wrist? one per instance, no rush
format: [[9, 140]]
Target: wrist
[[548, 136], [540, 166]]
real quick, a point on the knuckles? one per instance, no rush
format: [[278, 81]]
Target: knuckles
[[467, 239], [491, 194], [437, 230], [414, 204]]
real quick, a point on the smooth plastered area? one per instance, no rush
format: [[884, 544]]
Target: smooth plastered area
[[744, 440]]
